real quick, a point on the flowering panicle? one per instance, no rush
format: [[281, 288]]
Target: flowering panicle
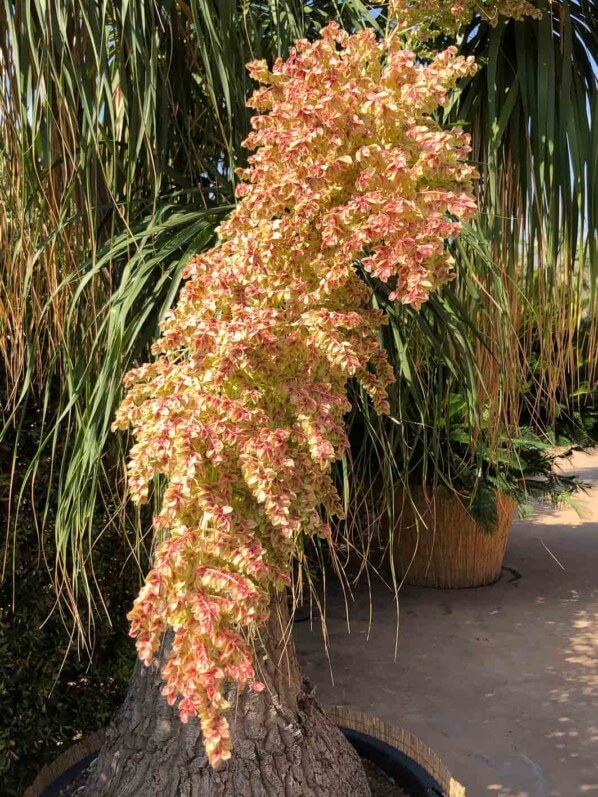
[[243, 409], [430, 17]]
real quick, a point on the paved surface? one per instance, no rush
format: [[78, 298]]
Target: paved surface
[[501, 681]]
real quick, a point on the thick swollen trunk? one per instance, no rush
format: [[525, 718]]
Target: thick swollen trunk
[[283, 743]]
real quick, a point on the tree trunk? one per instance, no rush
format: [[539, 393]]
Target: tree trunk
[[283, 743]]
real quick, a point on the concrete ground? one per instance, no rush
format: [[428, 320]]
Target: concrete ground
[[502, 681]]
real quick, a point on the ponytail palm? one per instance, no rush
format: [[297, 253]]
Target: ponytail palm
[[120, 125], [533, 114], [512, 342], [108, 110]]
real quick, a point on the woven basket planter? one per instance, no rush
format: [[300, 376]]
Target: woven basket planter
[[447, 548]]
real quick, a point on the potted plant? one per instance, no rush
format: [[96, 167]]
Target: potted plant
[[453, 532], [242, 409], [443, 475], [465, 443]]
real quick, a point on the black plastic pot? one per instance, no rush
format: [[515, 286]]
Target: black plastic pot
[[68, 776], [405, 772]]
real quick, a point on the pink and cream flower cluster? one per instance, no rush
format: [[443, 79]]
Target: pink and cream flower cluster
[[430, 17], [243, 408]]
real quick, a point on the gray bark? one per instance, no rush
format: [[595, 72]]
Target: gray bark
[[283, 743]]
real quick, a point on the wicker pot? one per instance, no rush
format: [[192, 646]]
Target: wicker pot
[[447, 548]]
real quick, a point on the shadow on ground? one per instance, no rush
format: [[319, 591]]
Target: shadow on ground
[[501, 681]]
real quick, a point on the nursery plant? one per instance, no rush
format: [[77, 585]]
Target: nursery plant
[[121, 124], [149, 206], [518, 355], [242, 409], [105, 201], [441, 476]]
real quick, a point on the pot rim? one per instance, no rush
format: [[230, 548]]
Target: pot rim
[[399, 754]]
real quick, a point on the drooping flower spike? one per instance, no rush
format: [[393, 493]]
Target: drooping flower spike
[[427, 18], [243, 408]]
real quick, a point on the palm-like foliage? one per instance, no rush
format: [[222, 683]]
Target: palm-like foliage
[[513, 341], [120, 126], [533, 113], [105, 110]]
